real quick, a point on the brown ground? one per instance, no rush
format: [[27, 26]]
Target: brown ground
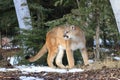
[[100, 70], [100, 74], [106, 70]]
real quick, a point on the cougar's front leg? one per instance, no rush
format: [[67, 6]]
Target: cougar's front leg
[[70, 56], [59, 58], [84, 56]]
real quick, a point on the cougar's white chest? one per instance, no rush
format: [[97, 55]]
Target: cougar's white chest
[[75, 46]]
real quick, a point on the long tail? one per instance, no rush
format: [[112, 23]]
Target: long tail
[[42, 51]]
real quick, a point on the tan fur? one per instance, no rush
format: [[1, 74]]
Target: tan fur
[[62, 38]]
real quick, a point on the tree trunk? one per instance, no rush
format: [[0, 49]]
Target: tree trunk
[[23, 14], [97, 56], [0, 40], [116, 10]]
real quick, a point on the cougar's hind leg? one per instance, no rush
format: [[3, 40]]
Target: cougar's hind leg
[[50, 58]]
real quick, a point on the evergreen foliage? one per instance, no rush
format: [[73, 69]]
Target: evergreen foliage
[[8, 20], [46, 14]]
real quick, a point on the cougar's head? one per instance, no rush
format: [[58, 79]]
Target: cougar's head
[[70, 32]]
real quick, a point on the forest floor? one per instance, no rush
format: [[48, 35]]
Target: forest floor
[[99, 74], [92, 72], [108, 69]]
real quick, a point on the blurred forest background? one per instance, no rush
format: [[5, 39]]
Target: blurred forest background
[[46, 14]]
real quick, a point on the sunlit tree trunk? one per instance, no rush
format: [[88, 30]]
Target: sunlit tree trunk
[[116, 10], [23, 14]]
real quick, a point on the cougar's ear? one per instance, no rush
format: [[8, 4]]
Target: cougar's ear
[[73, 27]]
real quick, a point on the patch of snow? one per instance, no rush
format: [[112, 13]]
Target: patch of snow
[[116, 58], [45, 69], [2, 69], [90, 61], [104, 50], [5, 69], [100, 42], [26, 69], [75, 70], [13, 60], [30, 78], [14, 69]]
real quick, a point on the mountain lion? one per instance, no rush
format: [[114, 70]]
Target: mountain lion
[[69, 38]]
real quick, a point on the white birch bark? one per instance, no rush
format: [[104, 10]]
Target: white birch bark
[[23, 14], [116, 10], [24, 20]]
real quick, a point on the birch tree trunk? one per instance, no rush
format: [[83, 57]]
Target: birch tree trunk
[[23, 14], [116, 10], [24, 20]]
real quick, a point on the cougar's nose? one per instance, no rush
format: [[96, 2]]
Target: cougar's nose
[[65, 36]]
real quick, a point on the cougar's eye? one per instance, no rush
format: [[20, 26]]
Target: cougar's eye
[[73, 27], [66, 32]]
